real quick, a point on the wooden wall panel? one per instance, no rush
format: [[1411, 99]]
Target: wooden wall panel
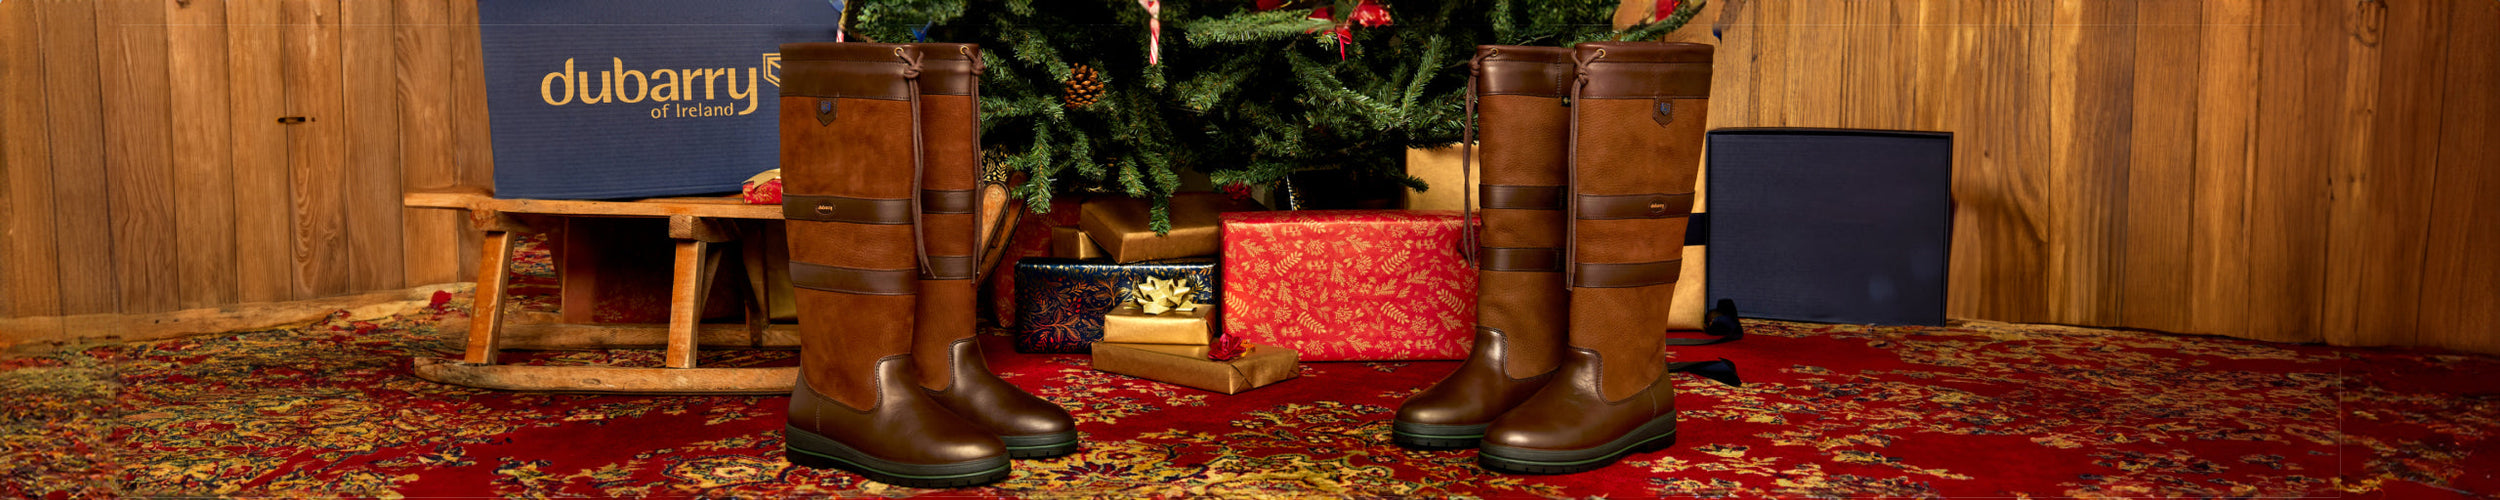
[[317, 146], [131, 50], [2000, 181], [1764, 32], [2160, 169], [30, 278], [144, 166], [367, 61], [473, 151], [422, 66], [2460, 282], [1819, 50], [2381, 218], [264, 217], [1867, 78], [2298, 104], [2226, 125], [75, 120], [203, 153], [2091, 96]]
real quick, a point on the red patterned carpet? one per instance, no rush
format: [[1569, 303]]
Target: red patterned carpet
[[1829, 411]]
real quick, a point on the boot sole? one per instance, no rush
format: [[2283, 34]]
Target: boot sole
[[806, 449], [1041, 446], [1435, 436], [1656, 435]]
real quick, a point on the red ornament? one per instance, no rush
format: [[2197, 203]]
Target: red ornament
[[1237, 191], [1665, 8], [1371, 15], [1322, 13], [1267, 5]]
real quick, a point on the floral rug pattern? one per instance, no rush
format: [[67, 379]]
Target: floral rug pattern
[[1976, 410]]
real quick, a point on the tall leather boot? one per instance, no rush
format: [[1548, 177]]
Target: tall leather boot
[[1520, 307], [951, 366], [1637, 114], [851, 166]]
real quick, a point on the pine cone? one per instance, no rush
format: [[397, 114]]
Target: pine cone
[[1084, 88]]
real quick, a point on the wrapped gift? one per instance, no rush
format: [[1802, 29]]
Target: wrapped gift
[[1122, 226], [1190, 366], [1061, 303], [1342, 285], [1031, 237], [1067, 242], [1443, 170], [1132, 325]]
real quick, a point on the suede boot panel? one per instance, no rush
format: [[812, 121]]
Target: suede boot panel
[[945, 316], [1632, 153], [1505, 228], [858, 155], [1623, 327], [951, 139], [1529, 310], [1521, 140], [1631, 241], [836, 359], [855, 246]]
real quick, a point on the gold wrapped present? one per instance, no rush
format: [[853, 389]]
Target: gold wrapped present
[[1161, 312], [1067, 242], [1120, 225], [1188, 365], [1442, 169], [1131, 324]]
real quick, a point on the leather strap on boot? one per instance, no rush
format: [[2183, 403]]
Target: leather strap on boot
[[919, 156]]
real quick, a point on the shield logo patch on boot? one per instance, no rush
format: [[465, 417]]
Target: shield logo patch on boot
[[824, 111]]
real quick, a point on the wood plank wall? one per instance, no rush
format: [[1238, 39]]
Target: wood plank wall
[[2291, 171], [145, 168]]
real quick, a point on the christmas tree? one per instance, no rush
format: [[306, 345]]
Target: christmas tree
[[1120, 95]]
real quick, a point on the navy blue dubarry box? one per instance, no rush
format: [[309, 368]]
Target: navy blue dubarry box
[[616, 99]]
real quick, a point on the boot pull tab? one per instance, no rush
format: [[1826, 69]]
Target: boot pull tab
[[824, 111], [1665, 112]]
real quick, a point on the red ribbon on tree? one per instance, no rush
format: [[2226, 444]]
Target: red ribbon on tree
[[1369, 13]]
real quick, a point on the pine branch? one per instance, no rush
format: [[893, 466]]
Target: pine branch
[[1256, 26]]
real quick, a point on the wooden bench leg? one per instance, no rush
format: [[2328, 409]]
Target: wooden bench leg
[[493, 276], [696, 261], [758, 294]]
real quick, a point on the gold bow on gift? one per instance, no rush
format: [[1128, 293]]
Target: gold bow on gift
[[1158, 295]]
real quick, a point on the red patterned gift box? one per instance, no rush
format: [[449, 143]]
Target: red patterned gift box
[[1343, 285]]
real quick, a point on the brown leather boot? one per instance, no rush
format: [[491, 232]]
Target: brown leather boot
[[851, 169], [1520, 307], [1637, 114], [951, 368]]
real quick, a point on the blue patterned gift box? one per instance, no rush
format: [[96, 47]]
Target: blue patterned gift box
[[1060, 302]]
